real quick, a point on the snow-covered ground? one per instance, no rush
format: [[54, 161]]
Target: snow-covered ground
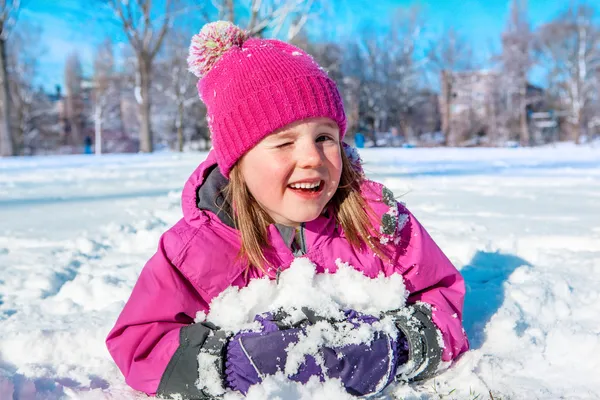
[[523, 225]]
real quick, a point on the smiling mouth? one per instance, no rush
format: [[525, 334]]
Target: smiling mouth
[[307, 187]]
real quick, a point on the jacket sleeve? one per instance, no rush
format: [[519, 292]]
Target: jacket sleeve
[[436, 289], [154, 341]]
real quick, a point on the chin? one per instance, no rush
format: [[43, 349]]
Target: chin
[[308, 217]]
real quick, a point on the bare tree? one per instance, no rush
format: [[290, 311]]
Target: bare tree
[[366, 68], [74, 113], [106, 92], [403, 71], [267, 15], [8, 13], [448, 54], [176, 83], [516, 62], [382, 77], [129, 107], [145, 34], [23, 55], [570, 47]]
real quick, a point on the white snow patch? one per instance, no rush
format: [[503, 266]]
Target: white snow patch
[[327, 294], [522, 225], [300, 286], [208, 376], [279, 387]]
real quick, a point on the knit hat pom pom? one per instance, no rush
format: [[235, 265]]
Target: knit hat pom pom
[[211, 43]]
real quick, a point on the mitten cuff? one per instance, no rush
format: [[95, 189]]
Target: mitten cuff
[[181, 374], [424, 350], [215, 345]]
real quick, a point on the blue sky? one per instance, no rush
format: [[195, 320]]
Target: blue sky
[[67, 26], [80, 25]]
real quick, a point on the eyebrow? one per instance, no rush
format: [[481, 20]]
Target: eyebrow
[[331, 125], [285, 134], [293, 133]]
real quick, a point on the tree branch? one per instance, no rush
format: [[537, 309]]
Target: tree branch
[[163, 30], [127, 23]]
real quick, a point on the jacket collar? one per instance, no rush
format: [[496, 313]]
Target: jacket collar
[[209, 196]]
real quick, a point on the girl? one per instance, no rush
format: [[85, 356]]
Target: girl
[[279, 185]]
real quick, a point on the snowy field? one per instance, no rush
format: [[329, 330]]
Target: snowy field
[[523, 226]]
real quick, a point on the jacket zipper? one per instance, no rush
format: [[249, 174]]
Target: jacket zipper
[[302, 243], [302, 240]]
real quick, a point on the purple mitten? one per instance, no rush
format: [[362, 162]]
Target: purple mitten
[[365, 368], [252, 355]]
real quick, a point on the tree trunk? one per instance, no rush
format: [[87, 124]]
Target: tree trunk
[[74, 119], [180, 127], [98, 129], [447, 108], [145, 66], [7, 147], [19, 134], [493, 130], [120, 111], [579, 132], [230, 11], [450, 133], [525, 137]]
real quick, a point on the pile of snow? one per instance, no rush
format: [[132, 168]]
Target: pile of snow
[[278, 387], [327, 295], [300, 286]]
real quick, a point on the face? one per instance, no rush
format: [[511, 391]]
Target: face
[[294, 172]]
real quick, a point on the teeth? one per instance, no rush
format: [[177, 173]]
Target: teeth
[[305, 185]]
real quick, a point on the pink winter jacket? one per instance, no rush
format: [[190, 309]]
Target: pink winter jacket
[[196, 260]]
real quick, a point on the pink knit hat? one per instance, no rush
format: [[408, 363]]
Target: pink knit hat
[[252, 87]]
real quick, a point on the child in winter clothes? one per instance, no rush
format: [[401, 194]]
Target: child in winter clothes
[[278, 185]]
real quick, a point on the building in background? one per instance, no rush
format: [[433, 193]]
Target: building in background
[[477, 108]]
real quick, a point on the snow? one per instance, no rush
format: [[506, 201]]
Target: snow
[[279, 387], [301, 287], [522, 225], [208, 375]]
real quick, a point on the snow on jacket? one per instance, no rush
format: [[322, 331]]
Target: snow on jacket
[[155, 342]]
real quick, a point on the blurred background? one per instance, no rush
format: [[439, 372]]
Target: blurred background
[[105, 76]]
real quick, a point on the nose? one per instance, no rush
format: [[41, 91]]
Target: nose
[[309, 155]]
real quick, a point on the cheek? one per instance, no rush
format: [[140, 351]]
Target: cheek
[[266, 176], [335, 162], [275, 175]]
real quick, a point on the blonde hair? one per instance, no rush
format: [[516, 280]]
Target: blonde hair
[[350, 210]]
